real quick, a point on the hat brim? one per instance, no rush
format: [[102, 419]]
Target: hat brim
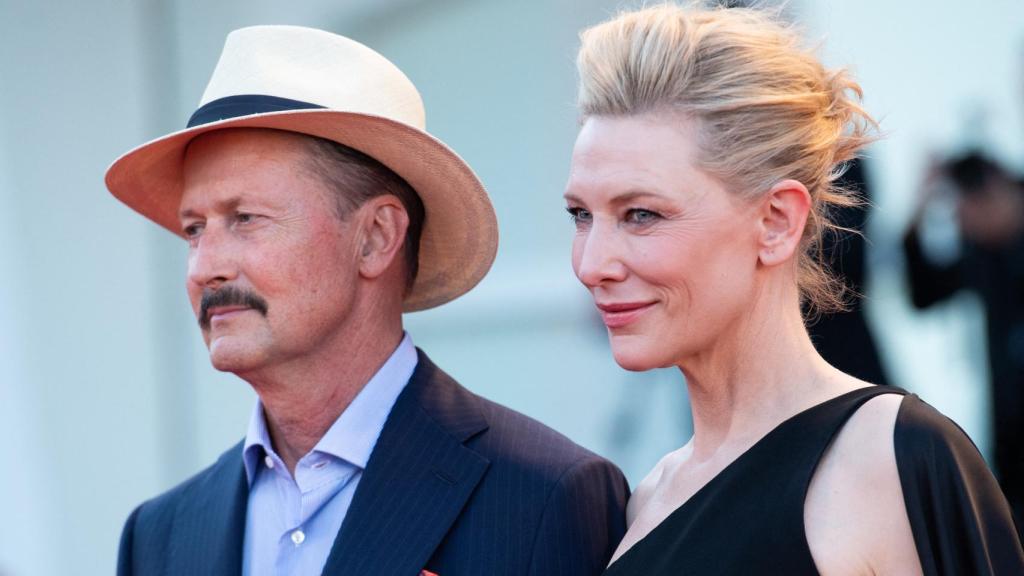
[[460, 231]]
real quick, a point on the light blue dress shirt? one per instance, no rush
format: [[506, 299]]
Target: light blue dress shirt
[[291, 523]]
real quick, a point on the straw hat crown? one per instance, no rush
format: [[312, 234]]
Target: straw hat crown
[[318, 67]]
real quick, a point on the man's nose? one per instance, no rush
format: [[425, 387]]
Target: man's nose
[[600, 257], [211, 261]]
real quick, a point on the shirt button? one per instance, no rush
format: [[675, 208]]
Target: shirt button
[[298, 537], [269, 462]]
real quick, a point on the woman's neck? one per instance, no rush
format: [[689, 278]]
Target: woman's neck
[[756, 375]]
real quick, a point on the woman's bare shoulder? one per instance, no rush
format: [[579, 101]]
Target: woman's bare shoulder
[[648, 487], [854, 515]]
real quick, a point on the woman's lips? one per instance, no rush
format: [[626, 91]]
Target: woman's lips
[[619, 314]]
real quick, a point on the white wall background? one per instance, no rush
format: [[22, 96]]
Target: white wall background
[[23, 478], [106, 396]]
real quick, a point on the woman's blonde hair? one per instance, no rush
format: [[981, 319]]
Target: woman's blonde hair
[[766, 108]]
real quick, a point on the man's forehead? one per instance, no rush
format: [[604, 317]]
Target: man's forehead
[[226, 167], [237, 153], [244, 142]]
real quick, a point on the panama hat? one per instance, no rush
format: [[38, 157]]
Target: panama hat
[[317, 83]]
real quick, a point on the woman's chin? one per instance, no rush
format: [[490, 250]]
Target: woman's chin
[[635, 358]]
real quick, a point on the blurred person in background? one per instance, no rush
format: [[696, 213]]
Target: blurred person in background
[[843, 337], [316, 210], [700, 186], [990, 217]]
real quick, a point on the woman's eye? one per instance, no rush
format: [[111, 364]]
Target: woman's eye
[[641, 216], [578, 215]]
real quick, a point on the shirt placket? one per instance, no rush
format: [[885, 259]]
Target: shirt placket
[[317, 480], [292, 534]]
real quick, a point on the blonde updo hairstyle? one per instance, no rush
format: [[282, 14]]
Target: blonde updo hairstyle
[[766, 108]]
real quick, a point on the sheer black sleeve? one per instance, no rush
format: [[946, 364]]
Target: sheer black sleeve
[[960, 519]]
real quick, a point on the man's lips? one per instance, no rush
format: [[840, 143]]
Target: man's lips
[[619, 314], [223, 312]]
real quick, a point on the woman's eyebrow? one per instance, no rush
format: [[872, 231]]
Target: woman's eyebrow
[[633, 195], [624, 198]]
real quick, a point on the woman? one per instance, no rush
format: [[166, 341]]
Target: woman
[[700, 187]]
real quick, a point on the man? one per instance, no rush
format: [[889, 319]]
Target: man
[[316, 210], [990, 218]]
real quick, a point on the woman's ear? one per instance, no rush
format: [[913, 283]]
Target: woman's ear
[[384, 224], [784, 213]]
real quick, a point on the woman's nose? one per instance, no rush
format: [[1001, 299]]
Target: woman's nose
[[598, 257]]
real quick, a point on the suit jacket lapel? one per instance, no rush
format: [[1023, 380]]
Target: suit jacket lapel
[[209, 525], [416, 482]]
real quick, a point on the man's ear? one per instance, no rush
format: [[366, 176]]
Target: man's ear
[[384, 222], [784, 212]]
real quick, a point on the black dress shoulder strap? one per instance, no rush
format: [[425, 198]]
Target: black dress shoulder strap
[[749, 518], [812, 431]]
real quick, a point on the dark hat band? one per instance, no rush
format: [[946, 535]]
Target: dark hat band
[[244, 105]]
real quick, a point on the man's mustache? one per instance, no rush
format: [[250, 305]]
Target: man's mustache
[[228, 296]]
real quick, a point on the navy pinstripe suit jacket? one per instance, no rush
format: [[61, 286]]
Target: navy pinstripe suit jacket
[[456, 485]]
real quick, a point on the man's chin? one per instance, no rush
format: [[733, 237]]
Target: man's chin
[[227, 357]]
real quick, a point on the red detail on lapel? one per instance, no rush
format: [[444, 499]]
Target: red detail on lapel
[[427, 573]]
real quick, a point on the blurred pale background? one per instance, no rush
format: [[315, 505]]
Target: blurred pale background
[[106, 396]]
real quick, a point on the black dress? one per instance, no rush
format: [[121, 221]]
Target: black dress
[[750, 518]]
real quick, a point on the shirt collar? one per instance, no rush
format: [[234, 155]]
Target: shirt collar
[[354, 434]]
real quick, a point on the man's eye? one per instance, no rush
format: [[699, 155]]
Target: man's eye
[[192, 230], [578, 215], [641, 216], [244, 217]]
